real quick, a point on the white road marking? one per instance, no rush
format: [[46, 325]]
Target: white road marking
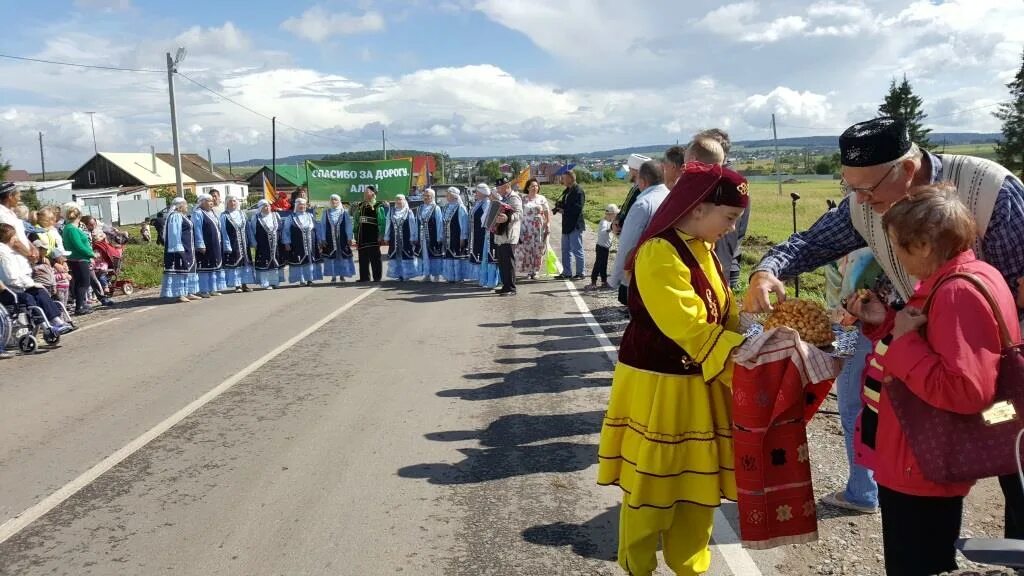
[[724, 537], [20, 521], [108, 321], [96, 325]]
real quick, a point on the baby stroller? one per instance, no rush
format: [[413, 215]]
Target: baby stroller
[[21, 323], [112, 257]]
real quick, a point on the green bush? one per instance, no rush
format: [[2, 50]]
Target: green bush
[[143, 264]]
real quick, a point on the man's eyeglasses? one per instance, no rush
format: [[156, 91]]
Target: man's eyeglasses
[[866, 192]]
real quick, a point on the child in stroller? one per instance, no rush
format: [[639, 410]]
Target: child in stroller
[[107, 266]]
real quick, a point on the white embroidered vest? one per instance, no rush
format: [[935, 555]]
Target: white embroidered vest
[[977, 181]]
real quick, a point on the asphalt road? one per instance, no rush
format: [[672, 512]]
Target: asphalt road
[[418, 429]]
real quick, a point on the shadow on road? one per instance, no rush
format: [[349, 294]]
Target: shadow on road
[[487, 464], [547, 374], [517, 429], [596, 538]]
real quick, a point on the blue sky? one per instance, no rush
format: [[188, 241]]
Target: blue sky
[[490, 77]]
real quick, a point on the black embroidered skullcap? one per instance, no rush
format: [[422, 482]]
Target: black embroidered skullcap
[[501, 182], [874, 142], [6, 188]]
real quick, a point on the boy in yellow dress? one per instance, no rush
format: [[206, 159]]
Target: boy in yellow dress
[[667, 435]]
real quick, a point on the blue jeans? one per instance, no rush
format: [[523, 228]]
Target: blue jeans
[[860, 485], [572, 248]]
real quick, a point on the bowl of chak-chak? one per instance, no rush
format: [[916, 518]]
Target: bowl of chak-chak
[[808, 318]]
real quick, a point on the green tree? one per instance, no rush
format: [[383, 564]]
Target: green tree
[[823, 166], [517, 166], [583, 176], [1010, 150], [490, 170], [31, 199], [610, 174], [4, 167], [902, 103]]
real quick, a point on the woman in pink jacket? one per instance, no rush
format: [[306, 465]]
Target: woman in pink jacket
[[948, 359]]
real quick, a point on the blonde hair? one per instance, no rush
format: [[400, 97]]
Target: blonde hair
[[705, 149], [935, 216], [72, 213], [21, 211]]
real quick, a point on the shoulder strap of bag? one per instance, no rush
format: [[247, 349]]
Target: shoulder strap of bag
[[981, 287]]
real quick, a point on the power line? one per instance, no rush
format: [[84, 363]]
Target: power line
[[218, 94], [260, 114], [77, 65]]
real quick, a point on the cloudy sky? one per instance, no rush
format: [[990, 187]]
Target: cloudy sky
[[487, 77]]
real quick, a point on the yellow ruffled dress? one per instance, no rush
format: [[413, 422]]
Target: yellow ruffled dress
[[667, 438]]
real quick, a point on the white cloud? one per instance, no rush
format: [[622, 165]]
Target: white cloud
[[801, 109], [318, 24]]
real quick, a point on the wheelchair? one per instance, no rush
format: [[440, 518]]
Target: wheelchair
[[21, 324]]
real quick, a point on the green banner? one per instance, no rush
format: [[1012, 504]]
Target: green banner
[[350, 179]]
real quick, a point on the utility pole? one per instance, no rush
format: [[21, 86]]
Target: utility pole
[[93, 124], [778, 163], [231, 170], [42, 157], [172, 68], [384, 142], [273, 149]]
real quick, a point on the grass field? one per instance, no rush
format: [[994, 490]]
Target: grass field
[[771, 218]]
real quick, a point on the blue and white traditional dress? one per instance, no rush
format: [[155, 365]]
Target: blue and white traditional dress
[[336, 235], [264, 237], [401, 232], [180, 278], [237, 263], [300, 238], [456, 241], [209, 249], [430, 243], [483, 262]]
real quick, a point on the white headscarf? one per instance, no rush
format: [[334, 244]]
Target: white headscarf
[[402, 212], [203, 197], [433, 196], [235, 214], [335, 214], [452, 207]]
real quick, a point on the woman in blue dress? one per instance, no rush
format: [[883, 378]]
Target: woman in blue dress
[[456, 238], [209, 248], [265, 229], [301, 245], [430, 243], [483, 263], [180, 280], [401, 233], [336, 241], [237, 264]]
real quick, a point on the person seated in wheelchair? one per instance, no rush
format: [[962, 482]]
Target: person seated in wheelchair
[[21, 289]]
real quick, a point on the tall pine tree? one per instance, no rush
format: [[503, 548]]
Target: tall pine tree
[[1010, 151], [902, 103]]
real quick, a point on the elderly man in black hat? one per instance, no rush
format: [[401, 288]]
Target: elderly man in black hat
[[881, 166], [509, 222]]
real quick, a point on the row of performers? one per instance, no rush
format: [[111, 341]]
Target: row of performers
[[206, 254]]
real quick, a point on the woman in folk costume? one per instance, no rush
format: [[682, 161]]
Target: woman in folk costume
[[401, 233], [302, 246], [265, 229], [237, 264], [430, 242], [336, 241], [209, 248], [667, 434], [456, 238], [180, 279], [483, 266], [533, 245]]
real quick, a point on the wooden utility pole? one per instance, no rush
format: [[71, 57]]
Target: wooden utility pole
[[778, 161], [42, 157]]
